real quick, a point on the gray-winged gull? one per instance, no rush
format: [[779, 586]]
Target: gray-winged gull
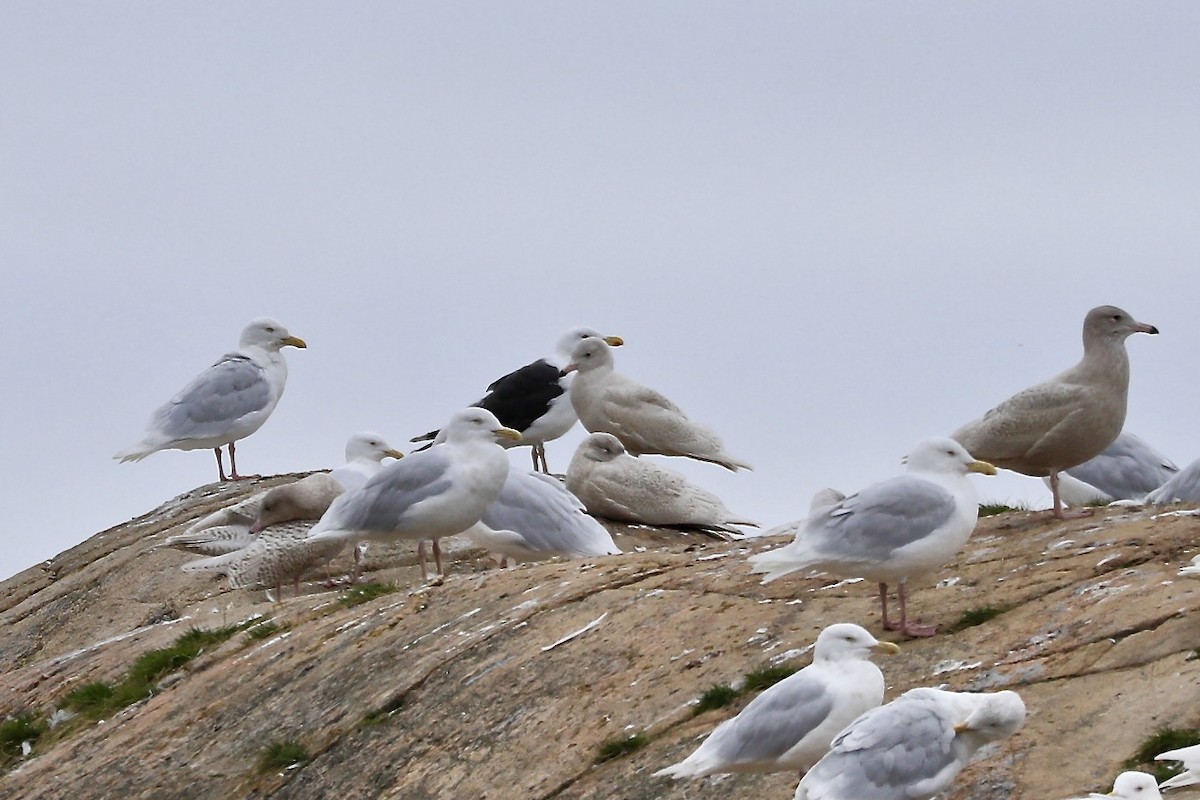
[[534, 518], [790, 725], [1182, 487], [228, 401], [613, 484], [891, 531], [365, 452], [644, 420], [280, 551], [1128, 469], [1130, 785], [913, 747], [430, 494], [1190, 756], [534, 400], [1069, 419]]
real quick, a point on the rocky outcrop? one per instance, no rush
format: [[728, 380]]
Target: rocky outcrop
[[506, 683]]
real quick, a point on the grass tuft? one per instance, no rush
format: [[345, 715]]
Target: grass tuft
[[14, 732], [281, 755], [766, 677], [366, 593], [620, 746], [263, 630], [716, 696], [977, 616], [992, 509], [1161, 741]]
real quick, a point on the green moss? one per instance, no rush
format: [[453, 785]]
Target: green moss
[[716, 696], [281, 755], [1161, 741], [620, 746], [766, 677], [992, 509], [263, 630], [15, 732], [366, 593], [977, 616]]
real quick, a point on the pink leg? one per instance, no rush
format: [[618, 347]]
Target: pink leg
[[220, 464], [912, 629], [1059, 511], [421, 558], [437, 557], [887, 624]]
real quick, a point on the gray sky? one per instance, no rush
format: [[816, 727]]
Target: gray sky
[[826, 230]]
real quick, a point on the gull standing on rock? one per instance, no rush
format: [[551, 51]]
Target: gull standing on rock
[[430, 494], [533, 400], [790, 725], [1069, 419], [913, 747], [891, 531], [644, 420], [365, 453], [1128, 469], [613, 484], [228, 401]]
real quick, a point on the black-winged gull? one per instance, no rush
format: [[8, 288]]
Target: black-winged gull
[[228, 401], [790, 725], [1130, 785], [613, 484], [533, 399], [891, 531], [430, 494], [1128, 469], [534, 518], [644, 420], [1190, 756], [1069, 419], [913, 747]]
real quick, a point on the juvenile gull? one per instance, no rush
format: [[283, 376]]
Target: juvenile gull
[[1128, 469], [891, 531], [644, 420], [228, 401], [613, 484], [1182, 487], [280, 551], [427, 495], [533, 399], [790, 725], [1069, 419], [913, 747], [534, 518], [1190, 756]]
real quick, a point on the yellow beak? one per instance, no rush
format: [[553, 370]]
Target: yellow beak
[[294, 341], [614, 341], [393, 453], [982, 467], [885, 648], [507, 433]]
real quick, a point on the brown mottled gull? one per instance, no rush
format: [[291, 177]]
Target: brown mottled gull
[[891, 531], [228, 401], [613, 484], [790, 725], [1068, 419], [644, 420]]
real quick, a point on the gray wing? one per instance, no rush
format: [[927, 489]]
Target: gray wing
[[773, 723], [901, 750], [1183, 487], [381, 503], [224, 393], [880, 519], [548, 517], [1126, 470]]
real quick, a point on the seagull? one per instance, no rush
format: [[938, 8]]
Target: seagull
[[644, 420], [1130, 786], [1182, 487], [1190, 756], [534, 518], [228, 401], [891, 531], [1069, 419], [912, 747], [613, 484], [429, 494], [1128, 469], [790, 725], [533, 399], [365, 453]]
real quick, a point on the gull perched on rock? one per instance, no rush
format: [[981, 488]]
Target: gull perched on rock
[[613, 484], [534, 518], [913, 747], [533, 399], [790, 725], [1130, 786], [644, 420], [1190, 756], [430, 494], [1069, 419], [228, 401], [1128, 469], [279, 551], [365, 453], [891, 531], [1182, 487]]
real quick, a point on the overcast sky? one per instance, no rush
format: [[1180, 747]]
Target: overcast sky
[[827, 230]]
